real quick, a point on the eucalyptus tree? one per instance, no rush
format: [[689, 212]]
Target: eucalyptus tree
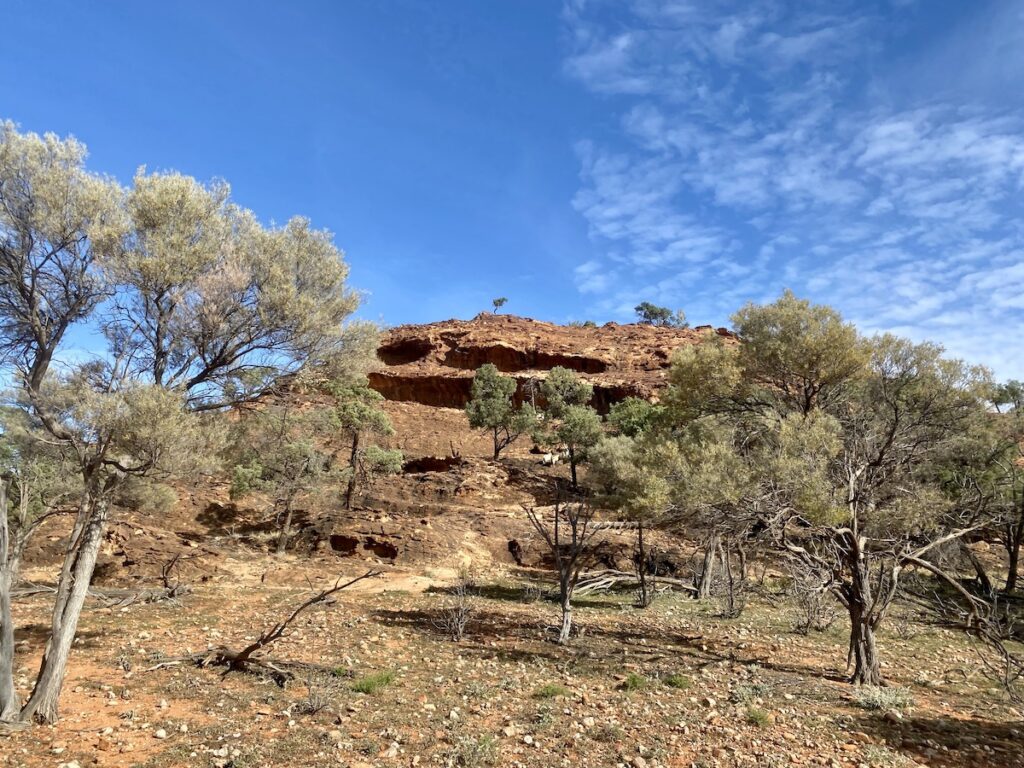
[[198, 305]]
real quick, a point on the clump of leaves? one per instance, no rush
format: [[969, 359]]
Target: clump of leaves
[[550, 691], [370, 684], [875, 697], [633, 682]]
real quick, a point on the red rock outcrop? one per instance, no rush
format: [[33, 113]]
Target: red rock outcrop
[[433, 364]]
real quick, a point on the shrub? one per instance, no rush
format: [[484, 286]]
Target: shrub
[[874, 697], [607, 732], [458, 608], [744, 693], [550, 691], [473, 751], [321, 692], [373, 683], [633, 682], [757, 716], [681, 682]]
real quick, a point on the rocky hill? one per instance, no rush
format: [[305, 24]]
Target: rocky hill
[[428, 369]]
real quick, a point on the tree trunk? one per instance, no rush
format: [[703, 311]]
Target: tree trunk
[[572, 467], [646, 588], [497, 445], [1014, 541], [352, 462], [9, 703], [286, 529], [563, 635], [707, 574], [80, 563], [984, 582], [863, 653]]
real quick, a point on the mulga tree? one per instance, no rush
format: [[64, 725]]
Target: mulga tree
[[36, 483], [838, 432], [491, 407], [358, 415], [280, 449], [631, 481], [569, 418], [201, 308], [651, 314]]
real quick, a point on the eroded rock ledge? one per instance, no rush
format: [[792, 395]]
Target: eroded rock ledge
[[433, 364]]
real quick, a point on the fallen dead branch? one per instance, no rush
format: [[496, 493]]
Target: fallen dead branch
[[608, 578], [250, 659]]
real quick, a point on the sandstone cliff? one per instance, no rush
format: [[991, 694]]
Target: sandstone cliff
[[433, 364]]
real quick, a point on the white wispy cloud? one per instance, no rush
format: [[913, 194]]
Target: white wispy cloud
[[769, 144]]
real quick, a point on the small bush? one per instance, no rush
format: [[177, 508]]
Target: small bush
[[458, 607], [609, 733], [321, 692], [876, 697], [473, 752], [744, 693], [680, 682], [633, 682], [757, 716], [550, 691], [372, 683]]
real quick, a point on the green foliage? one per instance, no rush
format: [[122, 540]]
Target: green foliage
[[383, 461], [633, 682], [582, 324], [633, 415], [146, 496], [563, 388], [799, 352], [499, 303], [579, 428], [373, 683], [757, 716], [357, 407], [491, 407], [677, 681], [652, 314]]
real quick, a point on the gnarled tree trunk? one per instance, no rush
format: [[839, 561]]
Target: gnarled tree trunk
[[76, 574], [863, 653], [353, 462], [707, 574]]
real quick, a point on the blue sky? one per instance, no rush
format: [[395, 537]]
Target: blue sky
[[580, 157]]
